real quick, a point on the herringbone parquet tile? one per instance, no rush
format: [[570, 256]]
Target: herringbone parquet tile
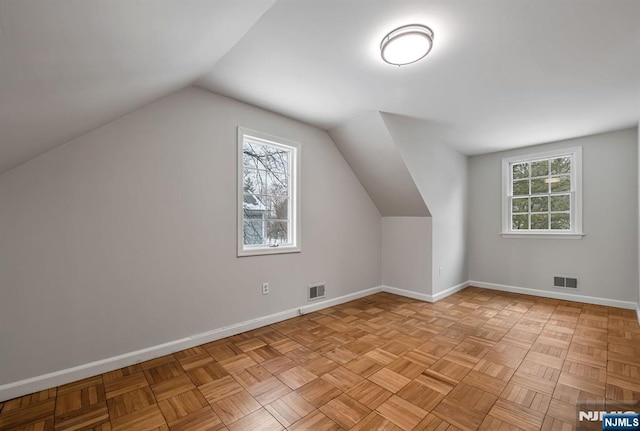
[[478, 359]]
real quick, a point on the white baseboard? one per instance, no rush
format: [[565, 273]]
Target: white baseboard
[[61, 377], [408, 293], [423, 296], [450, 291], [638, 312], [337, 301], [556, 295]]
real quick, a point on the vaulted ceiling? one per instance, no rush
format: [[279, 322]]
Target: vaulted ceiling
[[70, 66], [502, 73]]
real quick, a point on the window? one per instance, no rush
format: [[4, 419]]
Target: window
[[268, 194], [542, 194]]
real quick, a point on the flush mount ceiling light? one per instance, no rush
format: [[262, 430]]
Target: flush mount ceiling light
[[406, 44]]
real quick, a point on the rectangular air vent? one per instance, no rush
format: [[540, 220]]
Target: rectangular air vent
[[566, 282], [571, 283], [316, 291]]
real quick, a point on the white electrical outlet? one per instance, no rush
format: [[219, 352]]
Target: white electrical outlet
[[440, 271], [265, 288]]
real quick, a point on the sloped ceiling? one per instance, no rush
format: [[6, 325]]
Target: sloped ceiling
[[70, 66], [502, 74], [374, 157]]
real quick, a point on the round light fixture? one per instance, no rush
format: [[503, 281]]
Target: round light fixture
[[406, 44]]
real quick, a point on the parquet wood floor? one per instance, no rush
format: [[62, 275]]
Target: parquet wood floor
[[477, 360]]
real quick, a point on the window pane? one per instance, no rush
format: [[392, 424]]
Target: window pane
[[269, 208], [277, 183], [560, 221], [540, 221], [254, 206], [563, 184], [253, 181], [277, 232], [542, 188], [560, 203], [253, 155], [253, 232], [539, 204], [520, 205], [521, 170], [540, 169], [539, 185], [520, 221], [561, 165], [277, 160], [265, 157], [278, 208], [521, 187]]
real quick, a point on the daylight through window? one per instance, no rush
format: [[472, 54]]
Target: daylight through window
[[542, 193], [267, 194]]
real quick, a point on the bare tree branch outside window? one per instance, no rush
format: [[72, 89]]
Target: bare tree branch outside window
[[266, 191]]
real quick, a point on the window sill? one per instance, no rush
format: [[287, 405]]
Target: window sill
[[542, 235], [261, 251]]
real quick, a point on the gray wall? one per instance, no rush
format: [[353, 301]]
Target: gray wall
[[440, 174], [406, 253], [605, 260], [375, 158], [125, 238]]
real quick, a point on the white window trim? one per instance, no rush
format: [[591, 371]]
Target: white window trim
[[576, 206], [295, 175]]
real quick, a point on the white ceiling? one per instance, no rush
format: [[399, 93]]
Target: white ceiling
[[503, 73], [70, 66]]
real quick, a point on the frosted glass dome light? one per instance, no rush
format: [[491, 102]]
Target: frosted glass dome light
[[406, 44]]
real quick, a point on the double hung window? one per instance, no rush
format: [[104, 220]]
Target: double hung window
[[268, 194], [542, 194]]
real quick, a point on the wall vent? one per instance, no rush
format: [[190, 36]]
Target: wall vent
[[566, 282], [316, 291]]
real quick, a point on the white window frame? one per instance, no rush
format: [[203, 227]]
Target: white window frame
[[294, 193], [576, 195]]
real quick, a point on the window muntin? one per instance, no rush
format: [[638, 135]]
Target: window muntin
[[542, 193], [268, 221]]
